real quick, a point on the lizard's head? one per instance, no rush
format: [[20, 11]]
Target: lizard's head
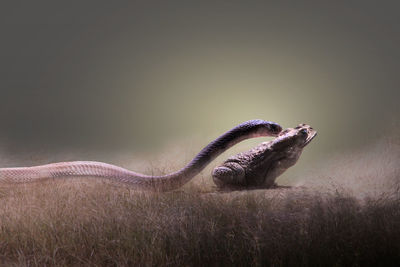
[[297, 137]]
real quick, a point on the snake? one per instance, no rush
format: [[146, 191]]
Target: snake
[[168, 182]]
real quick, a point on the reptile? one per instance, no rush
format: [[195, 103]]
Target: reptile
[[245, 130], [260, 166]]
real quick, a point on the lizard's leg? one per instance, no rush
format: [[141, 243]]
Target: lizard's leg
[[230, 174]]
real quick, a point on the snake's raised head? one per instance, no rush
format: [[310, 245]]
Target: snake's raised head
[[274, 128], [265, 128]]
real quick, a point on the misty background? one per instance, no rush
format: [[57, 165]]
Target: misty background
[[139, 75]]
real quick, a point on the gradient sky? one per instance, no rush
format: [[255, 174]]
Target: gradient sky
[[139, 74]]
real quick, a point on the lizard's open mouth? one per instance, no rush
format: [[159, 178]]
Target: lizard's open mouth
[[311, 134]]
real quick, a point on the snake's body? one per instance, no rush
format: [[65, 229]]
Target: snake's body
[[249, 129]]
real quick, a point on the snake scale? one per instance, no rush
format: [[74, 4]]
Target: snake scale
[[245, 130]]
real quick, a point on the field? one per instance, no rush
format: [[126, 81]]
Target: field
[[344, 212]]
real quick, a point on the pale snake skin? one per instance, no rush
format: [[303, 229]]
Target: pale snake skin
[[246, 130]]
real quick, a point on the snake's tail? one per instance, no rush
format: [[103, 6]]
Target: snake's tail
[[62, 169]]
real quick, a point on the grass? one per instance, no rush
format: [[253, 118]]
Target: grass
[[90, 224], [94, 223]]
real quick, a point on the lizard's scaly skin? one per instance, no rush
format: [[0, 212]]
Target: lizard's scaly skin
[[259, 167]]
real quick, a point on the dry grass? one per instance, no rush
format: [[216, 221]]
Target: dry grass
[[92, 223]]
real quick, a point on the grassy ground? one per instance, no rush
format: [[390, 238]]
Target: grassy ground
[[94, 223]]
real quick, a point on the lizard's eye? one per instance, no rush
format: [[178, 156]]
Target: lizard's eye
[[303, 131]]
